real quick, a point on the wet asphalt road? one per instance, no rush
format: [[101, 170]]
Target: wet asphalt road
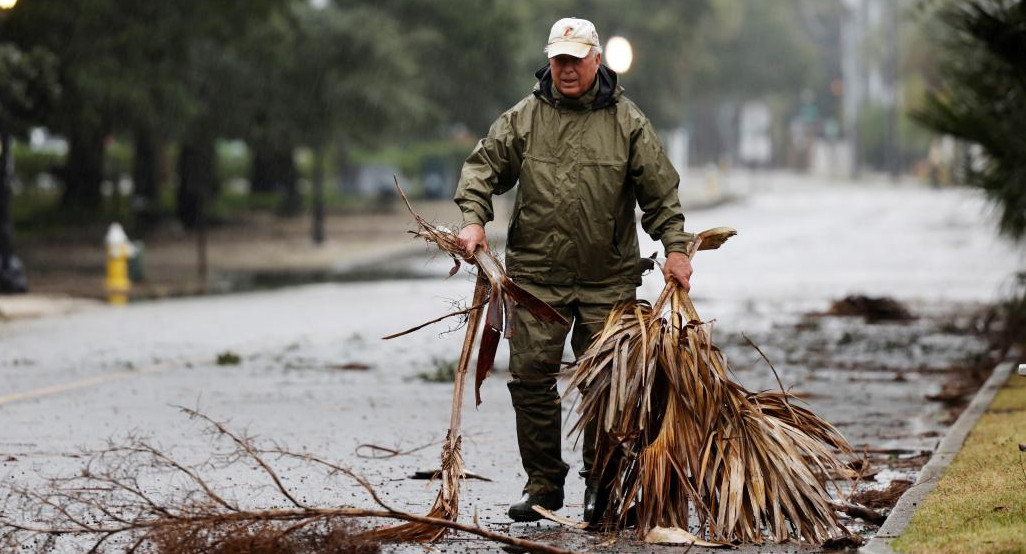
[[73, 382]]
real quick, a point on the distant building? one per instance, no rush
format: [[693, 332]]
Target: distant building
[[755, 140]]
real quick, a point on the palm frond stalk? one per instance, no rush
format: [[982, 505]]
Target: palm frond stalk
[[496, 291], [447, 502], [678, 438]]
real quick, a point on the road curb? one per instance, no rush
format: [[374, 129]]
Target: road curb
[[32, 306], [932, 472]]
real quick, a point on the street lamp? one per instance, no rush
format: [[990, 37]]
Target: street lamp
[[619, 54], [7, 4]]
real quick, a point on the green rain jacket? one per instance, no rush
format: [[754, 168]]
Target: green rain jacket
[[582, 164]]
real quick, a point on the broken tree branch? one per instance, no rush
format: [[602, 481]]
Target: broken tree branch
[[135, 495]]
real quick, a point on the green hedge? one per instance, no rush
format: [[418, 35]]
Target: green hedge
[[29, 165]]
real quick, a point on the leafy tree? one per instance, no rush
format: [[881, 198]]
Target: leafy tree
[[166, 43], [180, 53], [281, 74], [342, 75], [467, 56], [28, 86], [362, 83], [982, 99], [81, 36], [121, 66], [266, 97]]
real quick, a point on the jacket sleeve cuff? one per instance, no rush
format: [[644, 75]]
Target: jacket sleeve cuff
[[678, 242], [471, 217]]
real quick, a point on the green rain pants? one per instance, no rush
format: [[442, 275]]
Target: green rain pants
[[536, 350]]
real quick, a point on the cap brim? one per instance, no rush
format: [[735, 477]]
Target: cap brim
[[575, 49]]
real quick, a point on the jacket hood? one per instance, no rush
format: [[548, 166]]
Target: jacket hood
[[609, 89]]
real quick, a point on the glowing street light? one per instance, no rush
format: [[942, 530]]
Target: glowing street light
[[619, 54], [7, 4]]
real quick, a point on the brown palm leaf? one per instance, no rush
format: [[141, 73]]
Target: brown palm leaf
[[501, 294], [502, 297], [679, 439], [447, 502]]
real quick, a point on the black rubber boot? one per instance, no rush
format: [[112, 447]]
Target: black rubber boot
[[523, 511], [590, 499]]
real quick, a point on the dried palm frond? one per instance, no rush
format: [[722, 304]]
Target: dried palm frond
[[501, 294], [447, 502], [679, 439]]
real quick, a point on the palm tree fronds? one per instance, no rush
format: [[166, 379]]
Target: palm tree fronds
[[678, 439], [496, 290], [503, 297]]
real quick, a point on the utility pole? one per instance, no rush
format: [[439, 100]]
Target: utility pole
[[852, 73], [202, 267], [318, 197], [892, 144]]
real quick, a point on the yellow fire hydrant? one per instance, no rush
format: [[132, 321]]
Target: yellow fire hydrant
[[119, 249]]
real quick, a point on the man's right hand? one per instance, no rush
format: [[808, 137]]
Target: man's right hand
[[473, 237]]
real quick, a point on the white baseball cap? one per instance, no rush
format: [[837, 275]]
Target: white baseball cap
[[572, 36]]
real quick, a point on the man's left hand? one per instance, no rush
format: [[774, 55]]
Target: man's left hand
[[678, 267]]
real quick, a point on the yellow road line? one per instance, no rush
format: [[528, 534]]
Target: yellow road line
[[84, 383]]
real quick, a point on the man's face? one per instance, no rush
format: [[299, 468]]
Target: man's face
[[574, 76]]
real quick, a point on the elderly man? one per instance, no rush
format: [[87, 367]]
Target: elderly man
[[584, 156]]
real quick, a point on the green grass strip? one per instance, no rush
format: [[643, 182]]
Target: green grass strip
[[979, 506]]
